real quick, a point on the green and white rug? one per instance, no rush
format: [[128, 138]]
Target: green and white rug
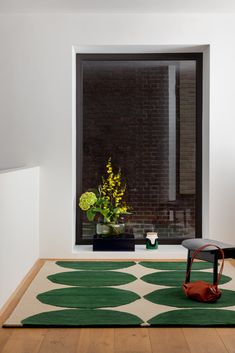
[[89, 294]]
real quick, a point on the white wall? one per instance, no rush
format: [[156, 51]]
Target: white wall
[[19, 240], [36, 104]]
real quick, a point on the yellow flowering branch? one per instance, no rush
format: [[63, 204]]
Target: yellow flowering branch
[[108, 202]]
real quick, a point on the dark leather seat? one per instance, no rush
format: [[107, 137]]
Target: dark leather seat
[[210, 253]]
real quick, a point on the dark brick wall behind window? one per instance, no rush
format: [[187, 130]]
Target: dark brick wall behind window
[[126, 118]]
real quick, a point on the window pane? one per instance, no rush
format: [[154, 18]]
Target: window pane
[[142, 114]]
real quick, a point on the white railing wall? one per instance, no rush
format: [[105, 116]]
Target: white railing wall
[[19, 227]]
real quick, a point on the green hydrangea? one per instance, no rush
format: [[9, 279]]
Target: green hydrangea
[[87, 200]]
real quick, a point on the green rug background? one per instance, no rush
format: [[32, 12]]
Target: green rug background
[[90, 294]]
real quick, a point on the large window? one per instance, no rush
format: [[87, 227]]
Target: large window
[[145, 112]]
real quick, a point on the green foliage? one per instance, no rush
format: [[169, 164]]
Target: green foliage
[[108, 200]]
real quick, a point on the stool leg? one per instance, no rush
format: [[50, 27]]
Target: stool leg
[[185, 219], [215, 268], [188, 266]]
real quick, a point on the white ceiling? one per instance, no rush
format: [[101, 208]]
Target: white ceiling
[[117, 6]]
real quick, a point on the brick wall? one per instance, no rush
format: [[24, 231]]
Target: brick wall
[[187, 86], [126, 117]]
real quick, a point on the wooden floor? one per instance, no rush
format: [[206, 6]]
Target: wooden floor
[[111, 340]]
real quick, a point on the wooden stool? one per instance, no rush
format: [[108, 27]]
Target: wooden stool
[[209, 254]]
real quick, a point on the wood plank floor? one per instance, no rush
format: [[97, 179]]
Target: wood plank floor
[[110, 340]]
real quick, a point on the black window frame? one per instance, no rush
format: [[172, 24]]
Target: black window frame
[[198, 58]]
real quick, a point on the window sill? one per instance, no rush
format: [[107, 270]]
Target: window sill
[[163, 252]]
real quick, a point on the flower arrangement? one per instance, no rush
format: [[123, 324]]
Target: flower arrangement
[[108, 200]]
